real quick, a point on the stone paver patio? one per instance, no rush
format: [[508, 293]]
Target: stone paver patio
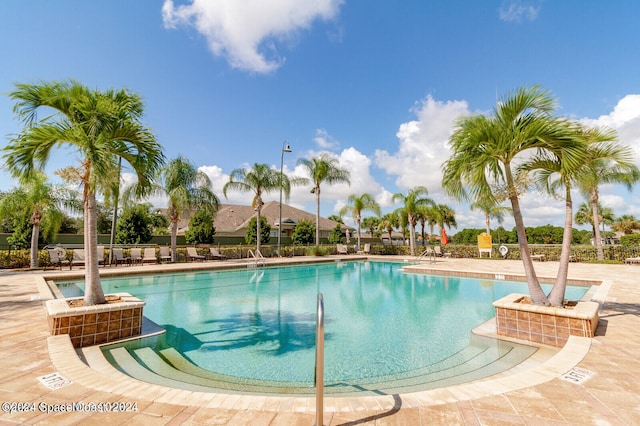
[[610, 396]]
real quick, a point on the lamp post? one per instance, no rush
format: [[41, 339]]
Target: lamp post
[[285, 148]]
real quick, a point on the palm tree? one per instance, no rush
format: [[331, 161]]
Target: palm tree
[[626, 223], [260, 180], [491, 210], [102, 127], [445, 216], [485, 150], [584, 215], [187, 188], [323, 169], [388, 223], [606, 162], [359, 204], [412, 202], [44, 203], [554, 174]]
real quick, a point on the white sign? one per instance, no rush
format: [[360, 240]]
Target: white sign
[[54, 381]]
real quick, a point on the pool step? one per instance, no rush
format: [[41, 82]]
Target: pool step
[[168, 367]]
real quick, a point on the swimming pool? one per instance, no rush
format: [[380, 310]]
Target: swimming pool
[[385, 329]]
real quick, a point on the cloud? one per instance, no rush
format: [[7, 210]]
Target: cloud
[[422, 145], [325, 141], [516, 11], [245, 33]]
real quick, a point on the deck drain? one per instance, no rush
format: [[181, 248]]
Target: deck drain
[[577, 375]]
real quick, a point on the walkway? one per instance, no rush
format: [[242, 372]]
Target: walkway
[[610, 396]]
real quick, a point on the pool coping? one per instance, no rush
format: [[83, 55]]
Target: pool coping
[[71, 364]]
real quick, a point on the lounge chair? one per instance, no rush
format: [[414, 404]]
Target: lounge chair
[[215, 254], [438, 252], [100, 255], [165, 254], [538, 257], [118, 257], [365, 250], [56, 256], [78, 257], [136, 255], [632, 260], [342, 249], [149, 255], [193, 254]]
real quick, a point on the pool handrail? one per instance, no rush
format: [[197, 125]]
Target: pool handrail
[[319, 370]]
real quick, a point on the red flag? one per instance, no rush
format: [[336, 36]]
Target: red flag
[[444, 239]]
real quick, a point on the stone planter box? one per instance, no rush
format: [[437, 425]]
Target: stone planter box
[[93, 325], [544, 324]]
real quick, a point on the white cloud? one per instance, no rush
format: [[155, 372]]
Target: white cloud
[[325, 141], [423, 145], [516, 11], [245, 32]]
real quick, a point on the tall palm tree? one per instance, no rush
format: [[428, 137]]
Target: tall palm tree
[[359, 204], [323, 169], [606, 162], [101, 127], [486, 149], [554, 174], [415, 198], [44, 204], [187, 188], [260, 180]]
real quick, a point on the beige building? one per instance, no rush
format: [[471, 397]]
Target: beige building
[[232, 220]]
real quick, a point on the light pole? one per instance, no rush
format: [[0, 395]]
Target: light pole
[[285, 148]]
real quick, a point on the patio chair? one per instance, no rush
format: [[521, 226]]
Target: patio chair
[[100, 255], [365, 250], [632, 260], [193, 254], [136, 255], [342, 249], [118, 256], [78, 257], [149, 255], [165, 254], [56, 256], [215, 254]]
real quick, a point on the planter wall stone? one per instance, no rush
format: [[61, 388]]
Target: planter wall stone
[[544, 324], [93, 325]]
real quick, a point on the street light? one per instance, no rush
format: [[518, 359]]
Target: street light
[[285, 148]]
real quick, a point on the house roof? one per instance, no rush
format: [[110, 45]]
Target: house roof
[[231, 218]]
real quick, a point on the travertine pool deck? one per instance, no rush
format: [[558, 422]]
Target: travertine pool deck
[[536, 393]]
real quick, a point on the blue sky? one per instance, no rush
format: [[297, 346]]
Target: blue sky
[[378, 84]]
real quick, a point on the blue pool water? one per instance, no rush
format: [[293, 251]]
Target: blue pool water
[[259, 324]]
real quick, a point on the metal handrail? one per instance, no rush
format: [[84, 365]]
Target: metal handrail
[[257, 257], [319, 373], [428, 252]]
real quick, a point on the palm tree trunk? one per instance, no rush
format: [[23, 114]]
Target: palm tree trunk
[[35, 231], [596, 225], [258, 230], [556, 296], [487, 223], [93, 293], [358, 232], [535, 291], [173, 227], [317, 192], [412, 235]]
